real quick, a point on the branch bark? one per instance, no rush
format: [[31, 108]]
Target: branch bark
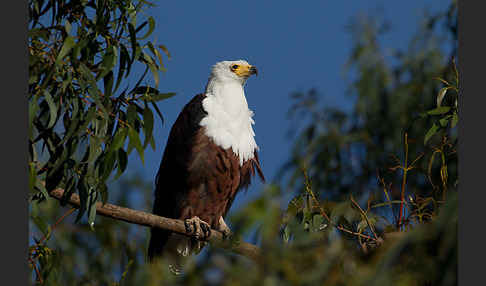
[[147, 219]]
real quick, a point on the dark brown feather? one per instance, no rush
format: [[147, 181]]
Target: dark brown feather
[[196, 177]]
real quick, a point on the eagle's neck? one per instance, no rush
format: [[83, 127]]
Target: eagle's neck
[[228, 120]]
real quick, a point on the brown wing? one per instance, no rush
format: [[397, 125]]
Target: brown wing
[[170, 182], [196, 177]]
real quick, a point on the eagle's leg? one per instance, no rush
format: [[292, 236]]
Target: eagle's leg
[[198, 227], [223, 228]]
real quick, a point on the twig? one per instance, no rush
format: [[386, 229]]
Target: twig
[[365, 217], [404, 183], [39, 277], [147, 219], [70, 211], [341, 228], [323, 213]]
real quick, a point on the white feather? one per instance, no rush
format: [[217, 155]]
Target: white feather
[[229, 120]]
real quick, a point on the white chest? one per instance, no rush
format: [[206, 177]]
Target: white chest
[[229, 121]]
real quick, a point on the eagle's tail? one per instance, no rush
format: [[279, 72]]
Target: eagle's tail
[[158, 241], [171, 247]]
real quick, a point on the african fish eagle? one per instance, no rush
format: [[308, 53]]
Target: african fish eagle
[[210, 155]]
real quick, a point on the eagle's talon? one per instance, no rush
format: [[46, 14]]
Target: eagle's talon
[[187, 225], [206, 230], [197, 227], [223, 228]]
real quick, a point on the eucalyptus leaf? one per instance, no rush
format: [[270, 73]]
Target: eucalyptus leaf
[[52, 109], [122, 162], [135, 141], [66, 48], [439, 110], [441, 95], [431, 132], [160, 96], [148, 124], [151, 23], [455, 119]]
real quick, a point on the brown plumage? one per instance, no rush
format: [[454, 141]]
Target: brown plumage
[[196, 178]]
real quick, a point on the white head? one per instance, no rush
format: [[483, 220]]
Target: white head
[[232, 71]]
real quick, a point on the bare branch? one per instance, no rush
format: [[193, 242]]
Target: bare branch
[[147, 219]]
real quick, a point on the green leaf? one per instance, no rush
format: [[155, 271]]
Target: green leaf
[[431, 132], [157, 54], [445, 120], [52, 109], [133, 40], [33, 106], [143, 89], [152, 143], [66, 48], [317, 222], [148, 125], [93, 89], [119, 139], [103, 190], [132, 14], [109, 61], [108, 84], [441, 95], [32, 176], [78, 47], [135, 141], [122, 162], [73, 127], [123, 65], [158, 111], [132, 115], [151, 23], [83, 198], [67, 27], [295, 206], [41, 224], [39, 32], [439, 110], [108, 164], [286, 234], [155, 72], [160, 96], [92, 198], [91, 114], [94, 149], [429, 167], [40, 186], [455, 119], [166, 51]]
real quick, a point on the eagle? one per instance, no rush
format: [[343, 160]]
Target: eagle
[[211, 155]]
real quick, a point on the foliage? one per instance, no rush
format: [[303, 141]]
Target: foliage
[[80, 114], [348, 151], [374, 189], [77, 111]]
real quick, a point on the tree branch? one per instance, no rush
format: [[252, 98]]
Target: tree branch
[[147, 219]]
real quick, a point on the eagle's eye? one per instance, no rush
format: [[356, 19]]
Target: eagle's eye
[[234, 67]]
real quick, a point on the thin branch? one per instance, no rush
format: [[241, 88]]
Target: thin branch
[[70, 211], [147, 219], [39, 277], [323, 213], [363, 213], [404, 183]]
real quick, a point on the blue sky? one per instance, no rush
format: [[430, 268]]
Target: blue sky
[[295, 45]]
